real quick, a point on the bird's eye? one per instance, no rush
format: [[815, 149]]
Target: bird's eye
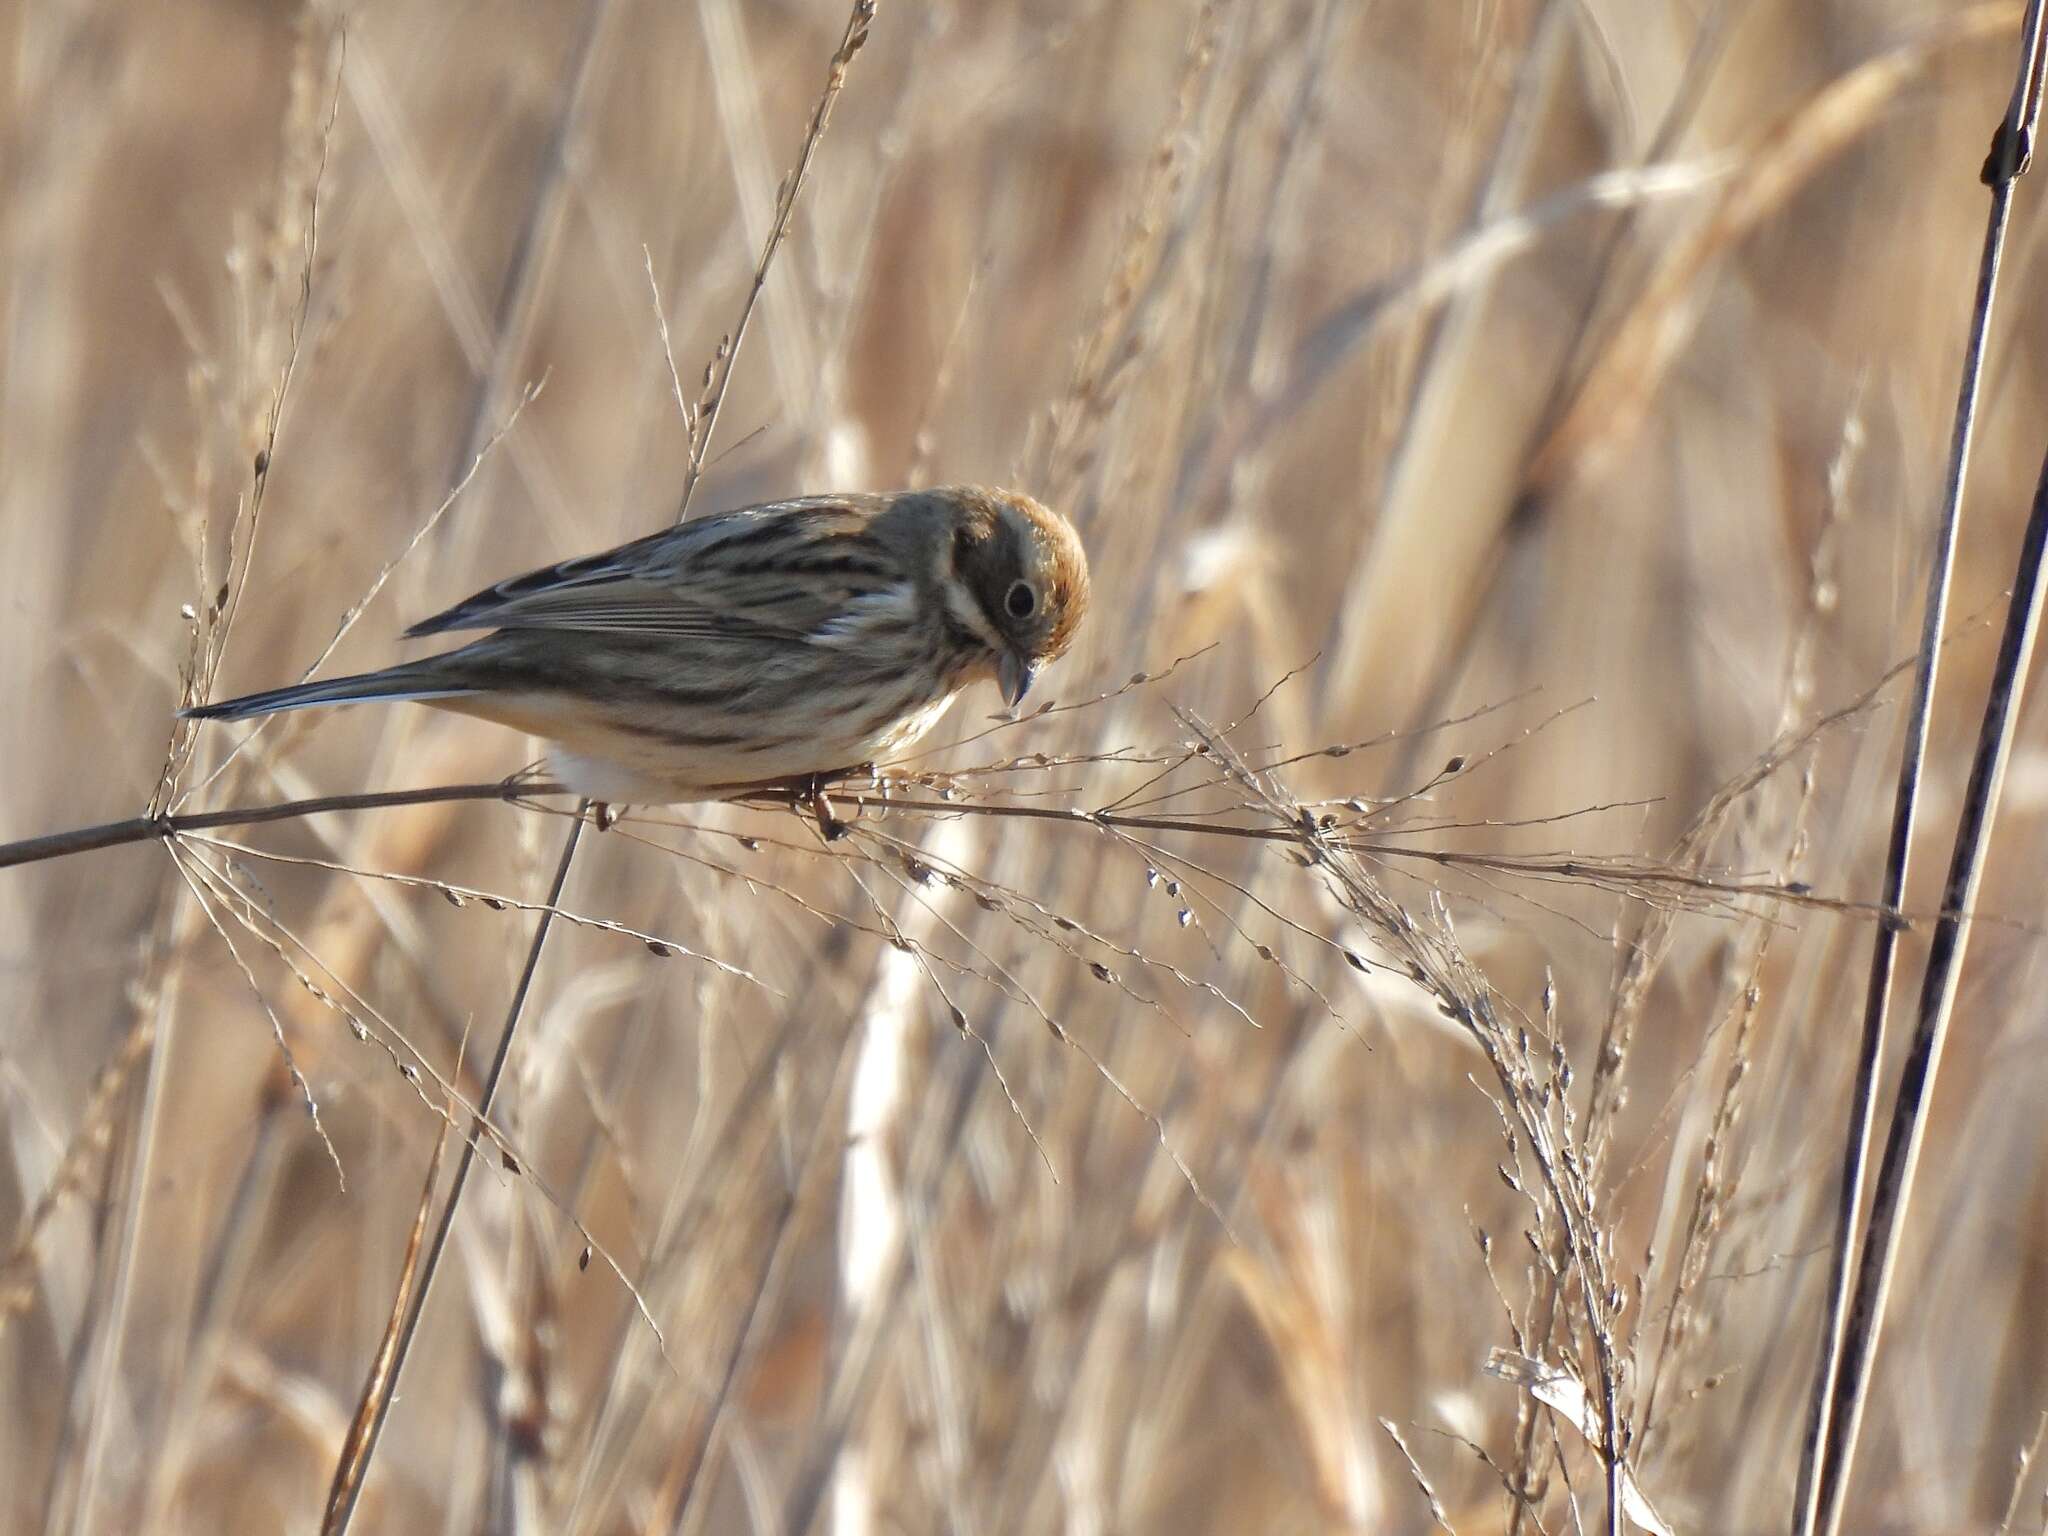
[[1020, 600]]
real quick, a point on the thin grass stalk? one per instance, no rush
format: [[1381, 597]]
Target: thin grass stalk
[[1581, 356], [352, 1492], [747, 1340], [855, 38], [859, 1360], [856, 35], [1838, 1383], [1681, 886], [65, 1496], [539, 232], [1572, 370], [1908, 1129], [353, 1462], [98, 1376], [1515, 153], [142, 829]]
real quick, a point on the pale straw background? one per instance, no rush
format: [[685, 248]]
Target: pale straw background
[[1326, 271]]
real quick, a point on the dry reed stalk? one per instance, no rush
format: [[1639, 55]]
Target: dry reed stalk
[[1849, 1330], [1257, 1252]]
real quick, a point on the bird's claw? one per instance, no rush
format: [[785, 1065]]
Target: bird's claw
[[830, 827]]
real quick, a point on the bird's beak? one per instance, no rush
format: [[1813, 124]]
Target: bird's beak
[[1014, 674]]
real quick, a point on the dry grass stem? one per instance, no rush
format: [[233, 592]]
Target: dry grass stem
[[1360, 1050]]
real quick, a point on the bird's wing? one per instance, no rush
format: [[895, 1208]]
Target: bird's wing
[[619, 605], [738, 576]]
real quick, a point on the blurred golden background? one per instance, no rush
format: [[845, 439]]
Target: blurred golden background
[[1573, 377]]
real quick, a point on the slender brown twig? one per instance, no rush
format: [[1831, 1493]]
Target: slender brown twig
[[1641, 879], [391, 1361], [142, 829], [719, 375]]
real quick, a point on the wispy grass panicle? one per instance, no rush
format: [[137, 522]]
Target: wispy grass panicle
[[1358, 1049]]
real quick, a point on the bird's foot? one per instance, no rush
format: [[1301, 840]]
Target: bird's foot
[[830, 827]]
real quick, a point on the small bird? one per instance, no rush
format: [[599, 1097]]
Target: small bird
[[770, 645]]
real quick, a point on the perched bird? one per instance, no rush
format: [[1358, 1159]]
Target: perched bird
[[768, 645]]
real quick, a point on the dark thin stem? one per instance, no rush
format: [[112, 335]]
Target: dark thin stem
[[1610, 873], [142, 829], [1908, 1129], [1836, 1410], [431, 1264]]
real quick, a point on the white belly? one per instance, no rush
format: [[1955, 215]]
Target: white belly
[[620, 769]]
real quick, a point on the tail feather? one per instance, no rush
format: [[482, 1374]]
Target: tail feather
[[389, 686]]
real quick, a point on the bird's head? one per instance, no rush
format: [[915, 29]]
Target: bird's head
[[1025, 581]]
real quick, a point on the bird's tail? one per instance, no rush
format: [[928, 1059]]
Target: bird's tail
[[414, 680]]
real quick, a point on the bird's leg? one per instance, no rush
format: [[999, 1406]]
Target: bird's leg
[[813, 790]]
